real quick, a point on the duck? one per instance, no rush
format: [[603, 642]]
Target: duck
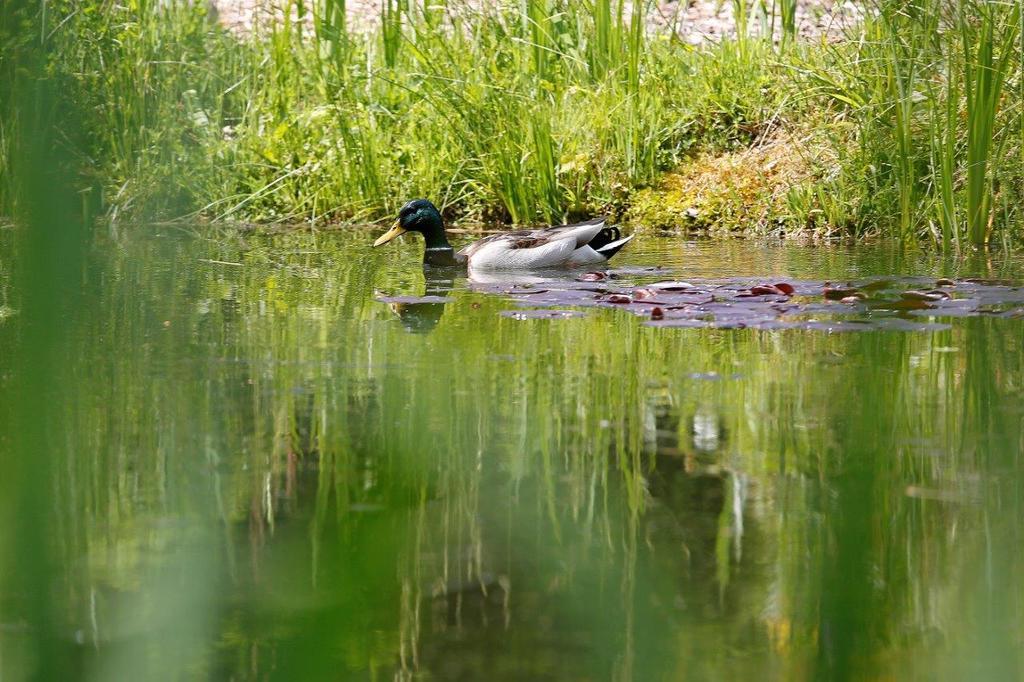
[[586, 243]]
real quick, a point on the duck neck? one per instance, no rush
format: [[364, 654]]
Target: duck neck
[[440, 256], [437, 240], [438, 251]]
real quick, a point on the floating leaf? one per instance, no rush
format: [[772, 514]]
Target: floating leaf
[[839, 293], [912, 295], [877, 285], [767, 290], [641, 294], [750, 304], [902, 304]]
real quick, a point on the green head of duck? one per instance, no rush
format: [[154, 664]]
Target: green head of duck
[[418, 215]]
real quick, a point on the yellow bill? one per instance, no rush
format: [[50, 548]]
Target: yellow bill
[[395, 230]]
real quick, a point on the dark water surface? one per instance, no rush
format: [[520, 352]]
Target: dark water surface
[[278, 460]]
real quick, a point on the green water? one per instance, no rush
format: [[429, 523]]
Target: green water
[[254, 469]]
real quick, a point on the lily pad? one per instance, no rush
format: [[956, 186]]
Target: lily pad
[[879, 304]]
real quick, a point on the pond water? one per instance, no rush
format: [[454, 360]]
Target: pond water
[[295, 457]]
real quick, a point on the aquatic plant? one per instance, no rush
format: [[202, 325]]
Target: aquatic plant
[[987, 50], [560, 111], [565, 109], [932, 153]]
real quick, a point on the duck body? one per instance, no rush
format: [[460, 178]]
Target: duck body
[[586, 243]]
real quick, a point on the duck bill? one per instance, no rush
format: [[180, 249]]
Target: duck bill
[[395, 230]]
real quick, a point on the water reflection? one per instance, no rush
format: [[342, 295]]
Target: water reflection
[[422, 311], [420, 314], [271, 478]]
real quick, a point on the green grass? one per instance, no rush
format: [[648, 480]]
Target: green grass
[[987, 52], [911, 127], [928, 122], [560, 111]]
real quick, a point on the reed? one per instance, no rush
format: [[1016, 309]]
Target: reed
[[787, 16], [932, 148], [988, 50], [559, 110]]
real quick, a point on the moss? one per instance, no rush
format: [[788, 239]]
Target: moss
[[744, 192]]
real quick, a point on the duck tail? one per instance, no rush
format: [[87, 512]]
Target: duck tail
[[604, 237], [611, 248]]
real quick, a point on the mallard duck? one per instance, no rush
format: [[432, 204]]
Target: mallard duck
[[586, 243]]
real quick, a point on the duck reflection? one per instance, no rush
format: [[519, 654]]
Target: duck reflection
[[421, 314], [664, 428], [484, 279], [707, 430]]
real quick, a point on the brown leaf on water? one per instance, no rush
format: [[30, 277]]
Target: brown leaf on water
[[767, 290], [785, 288], [740, 304], [989, 282]]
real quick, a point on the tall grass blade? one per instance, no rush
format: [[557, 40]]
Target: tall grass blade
[[987, 52]]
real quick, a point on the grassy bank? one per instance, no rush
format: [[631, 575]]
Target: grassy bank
[[911, 128]]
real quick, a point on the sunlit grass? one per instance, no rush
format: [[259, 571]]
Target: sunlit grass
[[560, 111], [988, 50], [935, 150], [911, 123]]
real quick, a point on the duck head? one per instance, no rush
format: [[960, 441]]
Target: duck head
[[419, 215]]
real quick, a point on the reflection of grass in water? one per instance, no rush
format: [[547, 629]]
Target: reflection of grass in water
[[34, 362], [360, 468], [262, 373]]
